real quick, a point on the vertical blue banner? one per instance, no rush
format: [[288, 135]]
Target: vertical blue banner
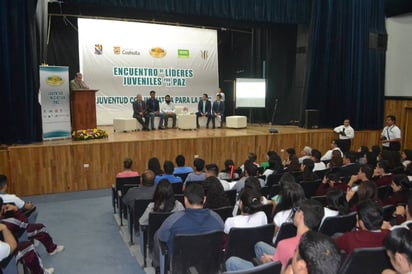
[[55, 102]]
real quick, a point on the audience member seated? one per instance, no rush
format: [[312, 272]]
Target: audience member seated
[[198, 174], [336, 204], [212, 171], [194, 219], [215, 194], [393, 158], [250, 171], [181, 168], [17, 201], [229, 172], [403, 211], [349, 166], [328, 155], [406, 157], [251, 158], [370, 234], [250, 214], [154, 165], [7, 243], [290, 195], [381, 174], [293, 165], [336, 161], [168, 167], [286, 178], [163, 201], [306, 153], [364, 174], [143, 192], [307, 171], [330, 181], [398, 246], [365, 191], [316, 253], [400, 187], [316, 155], [127, 169], [252, 184], [274, 165], [14, 222], [306, 216]]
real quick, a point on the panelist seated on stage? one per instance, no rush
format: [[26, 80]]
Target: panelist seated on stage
[[218, 110], [168, 109], [153, 109], [77, 82], [139, 112], [204, 109]]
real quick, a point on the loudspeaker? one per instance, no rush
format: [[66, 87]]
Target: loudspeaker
[[378, 41], [311, 118]]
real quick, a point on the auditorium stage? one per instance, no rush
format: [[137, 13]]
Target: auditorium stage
[[65, 165]]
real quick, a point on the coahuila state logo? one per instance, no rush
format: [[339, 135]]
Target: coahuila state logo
[[116, 50], [204, 54], [125, 51], [98, 49]]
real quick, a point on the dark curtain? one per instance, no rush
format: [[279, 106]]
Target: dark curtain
[[346, 77], [20, 114], [274, 11]]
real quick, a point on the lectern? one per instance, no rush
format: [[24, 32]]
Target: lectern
[[83, 108]]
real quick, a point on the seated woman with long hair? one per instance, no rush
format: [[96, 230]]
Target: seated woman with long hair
[[365, 191], [215, 195], [250, 214], [336, 204], [400, 187], [163, 201]]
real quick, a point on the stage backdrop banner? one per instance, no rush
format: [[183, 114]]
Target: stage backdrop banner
[[123, 59], [55, 102]]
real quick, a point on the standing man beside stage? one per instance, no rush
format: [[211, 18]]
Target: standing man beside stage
[[218, 110], [222, 95], [153, 109], [139, 112], [204, 108], [346, 134], [391, 135], [168, 109], [77, 82]]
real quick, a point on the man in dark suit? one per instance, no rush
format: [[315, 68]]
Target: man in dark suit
[[139, 112], [153, 109], [218, 110], [204, 108]]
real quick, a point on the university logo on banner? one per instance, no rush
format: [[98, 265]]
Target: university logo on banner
[[98, 49], [204, 54], [116, 50]]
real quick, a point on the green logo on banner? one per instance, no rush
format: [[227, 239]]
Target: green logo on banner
[[183, 53]]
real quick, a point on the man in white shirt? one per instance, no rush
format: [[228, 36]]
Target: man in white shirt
[[305, 154], [328, 155], [169, 110], [346, 134], [391, 135], [219, 91]]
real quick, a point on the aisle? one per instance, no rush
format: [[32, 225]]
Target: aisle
[[83, 222]]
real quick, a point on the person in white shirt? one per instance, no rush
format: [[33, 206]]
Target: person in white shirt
[[169, 110], [316, 155], [219, 91], [391, 135], [305, 154], [328, 155], [251, 216], [346, 134]]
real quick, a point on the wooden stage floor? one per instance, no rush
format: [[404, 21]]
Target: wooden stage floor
[[64, 165]]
